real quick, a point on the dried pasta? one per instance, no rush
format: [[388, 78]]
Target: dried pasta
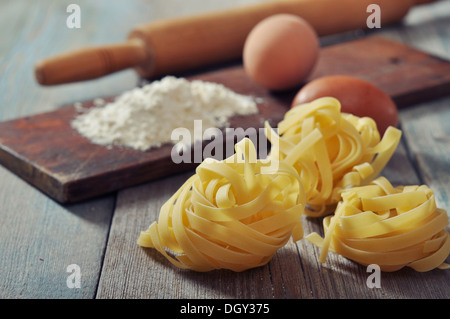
[[232, 214], [331, 150], [391, 227]]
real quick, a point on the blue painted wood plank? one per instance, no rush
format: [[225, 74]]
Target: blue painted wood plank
[[425, 126], [39, 238]]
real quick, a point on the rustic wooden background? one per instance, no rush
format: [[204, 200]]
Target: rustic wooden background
[[40, 238]]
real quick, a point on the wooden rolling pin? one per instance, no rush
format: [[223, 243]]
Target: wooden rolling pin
[[175, 45]]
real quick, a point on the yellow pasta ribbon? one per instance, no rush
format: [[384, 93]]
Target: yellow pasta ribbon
[[232, 214], [331, 151], [391, 227]]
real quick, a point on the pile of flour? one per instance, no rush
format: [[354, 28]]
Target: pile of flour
[[145, 117]]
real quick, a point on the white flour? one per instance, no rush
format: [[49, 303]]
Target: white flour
[[145, 117]]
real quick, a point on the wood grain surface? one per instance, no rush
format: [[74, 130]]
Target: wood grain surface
[[40, 238]]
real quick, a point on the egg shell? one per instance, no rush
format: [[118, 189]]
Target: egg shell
[[357, 96], [280, 52]]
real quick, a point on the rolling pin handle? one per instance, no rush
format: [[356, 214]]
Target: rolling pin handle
[[91, 63]]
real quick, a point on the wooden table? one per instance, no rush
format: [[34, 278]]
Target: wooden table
[[40, 239]]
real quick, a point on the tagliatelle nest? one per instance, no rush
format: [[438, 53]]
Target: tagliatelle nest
[[232, 214], [330, 150], [391, 227]]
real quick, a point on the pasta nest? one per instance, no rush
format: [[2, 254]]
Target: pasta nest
[[387, 226], [330, 150], [232, 214]]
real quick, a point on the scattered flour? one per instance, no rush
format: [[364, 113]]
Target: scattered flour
[[145, 117]]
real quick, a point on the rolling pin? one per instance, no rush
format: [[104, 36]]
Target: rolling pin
[[175, 45]]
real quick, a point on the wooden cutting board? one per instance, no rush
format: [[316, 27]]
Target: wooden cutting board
[[45, 151]]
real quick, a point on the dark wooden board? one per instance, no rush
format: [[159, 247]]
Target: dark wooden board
[[45, 151], [48, 153], [409, 76]]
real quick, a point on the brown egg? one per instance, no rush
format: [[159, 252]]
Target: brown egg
[[280, 52], [357, 96]]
